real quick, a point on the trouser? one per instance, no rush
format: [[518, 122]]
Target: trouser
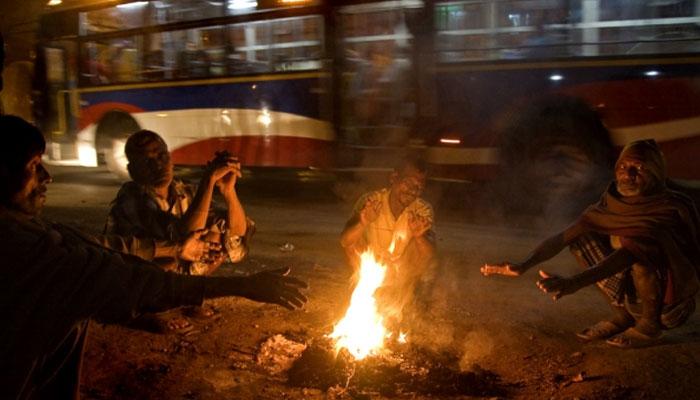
[[637, 291], [60, 375]]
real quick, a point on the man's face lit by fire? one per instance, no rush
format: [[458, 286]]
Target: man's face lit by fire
[[407, 185], [152, 165], [31, 197], [632, 177]]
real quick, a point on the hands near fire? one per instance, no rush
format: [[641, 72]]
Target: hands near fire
[[371, 210], [556, 285], [418, 225], [506, 268], [195, 248], [275, 287]]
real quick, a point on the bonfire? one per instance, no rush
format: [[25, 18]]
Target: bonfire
[[362, 331]]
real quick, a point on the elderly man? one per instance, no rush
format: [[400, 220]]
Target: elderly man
[[640, 244], [395, 224], [54, 279]]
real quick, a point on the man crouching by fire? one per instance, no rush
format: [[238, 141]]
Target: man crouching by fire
[[639, 244], [395, 224]]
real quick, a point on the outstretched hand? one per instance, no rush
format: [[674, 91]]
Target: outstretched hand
[[556, 285], [370, 211], [277, 288], [506, 268], [195, 248], [418, 225]]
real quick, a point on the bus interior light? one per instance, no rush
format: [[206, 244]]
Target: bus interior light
[[135, 4], [450, 141], [54, 2], [242, 4], [556, 77], [652, 73]]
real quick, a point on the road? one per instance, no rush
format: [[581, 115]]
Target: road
[[503, 325]]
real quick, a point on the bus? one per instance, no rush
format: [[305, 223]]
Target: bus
[[530, 90]]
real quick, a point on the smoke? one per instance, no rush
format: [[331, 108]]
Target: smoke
[[477, 345]]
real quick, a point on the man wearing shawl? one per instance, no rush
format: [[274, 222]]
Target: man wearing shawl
[[639, 244]]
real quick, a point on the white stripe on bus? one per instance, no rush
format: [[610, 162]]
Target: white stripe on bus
[[182, 127], [462, 155]]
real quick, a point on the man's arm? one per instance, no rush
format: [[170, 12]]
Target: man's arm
[[544, 251], [195, 217], [367, 210], [89, 281], [616, 262], [235, 216]]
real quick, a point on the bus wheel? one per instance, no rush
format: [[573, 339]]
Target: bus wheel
[[110, 138], [556, 158]]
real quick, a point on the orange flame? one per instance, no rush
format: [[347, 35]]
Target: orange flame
[[362, 331]]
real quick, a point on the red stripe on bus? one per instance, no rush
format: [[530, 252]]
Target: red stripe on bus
[[640, 102], [682, 158], [260, 151], [93, 114]]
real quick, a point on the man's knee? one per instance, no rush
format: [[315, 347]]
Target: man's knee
[[642, 272]]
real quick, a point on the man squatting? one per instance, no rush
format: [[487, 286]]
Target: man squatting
[[396, 225], [639, 244]]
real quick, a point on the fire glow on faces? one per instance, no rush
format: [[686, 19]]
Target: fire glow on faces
[[632, 178], [408, 185], [31, 197], [153, 165]]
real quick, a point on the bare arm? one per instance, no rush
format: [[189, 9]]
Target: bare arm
[[235, 215], [196, 216], [544, 251], [616, 262], [354, 229]]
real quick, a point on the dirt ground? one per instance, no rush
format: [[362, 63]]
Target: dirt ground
[[502, 325]]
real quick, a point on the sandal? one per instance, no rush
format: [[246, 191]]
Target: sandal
[[197, 312], [632, 338], [601, 330], [160, 324]]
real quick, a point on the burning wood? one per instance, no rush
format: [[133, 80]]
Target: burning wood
[[356, 357], [390, 374]]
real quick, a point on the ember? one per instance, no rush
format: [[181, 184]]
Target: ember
[[391, 374]]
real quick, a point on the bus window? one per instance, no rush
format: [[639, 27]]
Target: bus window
[[111, 61], [378, 100], [187, 10], [287, 44], [483, 30], [123, 16]]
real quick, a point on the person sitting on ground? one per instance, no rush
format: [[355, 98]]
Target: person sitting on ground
[[54, 279], [396, 225], [156, 205], [641, 246]]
